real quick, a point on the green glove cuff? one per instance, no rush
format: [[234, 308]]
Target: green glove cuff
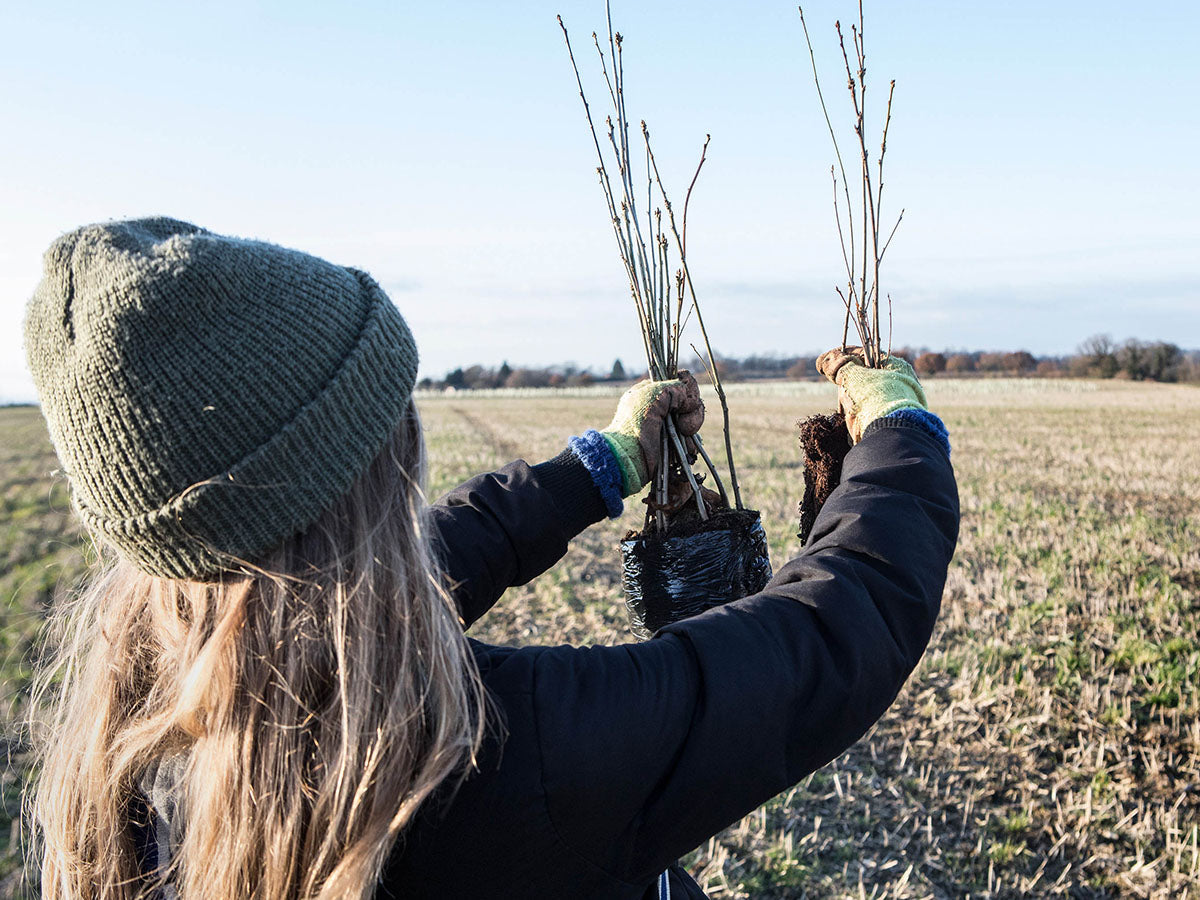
[[629, 457], [623, 434], [875, 393]]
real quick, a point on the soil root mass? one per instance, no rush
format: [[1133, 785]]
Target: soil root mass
[[825, 442]]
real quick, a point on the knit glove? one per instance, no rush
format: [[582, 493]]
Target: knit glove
[[869, 394], [635, 433]]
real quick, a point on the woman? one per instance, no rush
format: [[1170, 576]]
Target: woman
[[266, 692]]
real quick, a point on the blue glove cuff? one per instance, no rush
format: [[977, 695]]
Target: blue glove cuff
[[597, 457], [919, 418]]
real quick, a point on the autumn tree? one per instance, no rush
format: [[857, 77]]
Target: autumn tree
[[960, 363], [1020, 362], [1099, 355], [930, 363]]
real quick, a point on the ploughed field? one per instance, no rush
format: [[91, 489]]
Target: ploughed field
[[1047, 745]]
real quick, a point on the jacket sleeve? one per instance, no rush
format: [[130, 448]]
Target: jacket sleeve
[[649, 749], [509, 526]]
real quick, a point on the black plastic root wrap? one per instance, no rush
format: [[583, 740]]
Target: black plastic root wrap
[[669, 579]]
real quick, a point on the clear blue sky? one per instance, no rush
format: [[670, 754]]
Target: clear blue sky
[[1045, 152]]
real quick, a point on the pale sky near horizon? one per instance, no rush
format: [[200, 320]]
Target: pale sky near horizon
[[1045, 154]]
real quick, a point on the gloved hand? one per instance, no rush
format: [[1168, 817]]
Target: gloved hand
[[868, 394], [635, 433]]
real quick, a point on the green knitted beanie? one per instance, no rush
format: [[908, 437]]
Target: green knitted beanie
[[210, 396]]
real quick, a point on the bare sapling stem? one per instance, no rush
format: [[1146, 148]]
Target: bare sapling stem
[[711, 468], [695, 307], [680, 319], [654, 288], [716, 380], [889, 324], [700, 444], [862, 293], [680, 449], [848, 303], [857, 87], [664, 299], [662, 479]]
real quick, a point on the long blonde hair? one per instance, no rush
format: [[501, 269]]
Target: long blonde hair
[[312, 704]]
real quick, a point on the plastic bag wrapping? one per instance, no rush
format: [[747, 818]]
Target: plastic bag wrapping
[[666, 580]]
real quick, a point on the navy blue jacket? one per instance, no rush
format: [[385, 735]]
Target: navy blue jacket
[[609, 763]]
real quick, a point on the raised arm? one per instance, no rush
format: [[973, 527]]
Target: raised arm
[[507, 527], [649, 749]]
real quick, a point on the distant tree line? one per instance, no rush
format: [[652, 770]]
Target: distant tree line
[[478, 377], [1097, 357]]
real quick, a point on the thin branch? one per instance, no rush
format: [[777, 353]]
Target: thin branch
[[680, 318], [650, 227], [887, 122], [899, 219], [603, 67], [670, 325], [712, 468], [889, 324], [687, 314], [849, 265], [858, 325], [700, 445], [687, 198], [833, 136]]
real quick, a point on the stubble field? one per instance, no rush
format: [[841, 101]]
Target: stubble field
[[1047, 745]]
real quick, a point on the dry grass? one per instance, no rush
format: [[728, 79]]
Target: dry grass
[[39, 547], [1048, 744]]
